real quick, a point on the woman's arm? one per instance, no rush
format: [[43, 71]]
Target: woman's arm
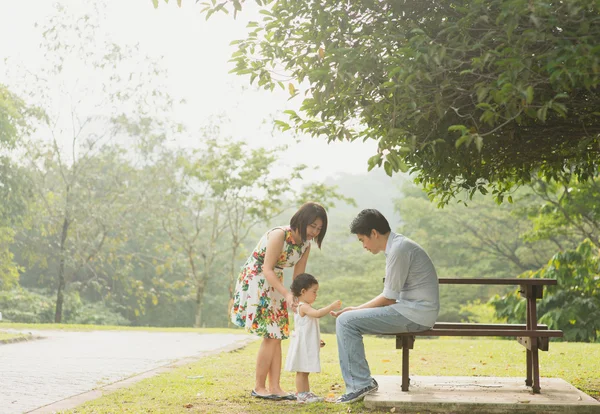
[[300, 266], [306, 309], [275, 241]]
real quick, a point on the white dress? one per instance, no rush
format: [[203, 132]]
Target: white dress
[[305, 344]]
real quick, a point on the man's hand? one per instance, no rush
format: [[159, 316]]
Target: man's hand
[[338, 313]]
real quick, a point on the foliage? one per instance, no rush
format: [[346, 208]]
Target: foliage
[[25, 306], [13, 115], [480, 312], [97, 314], [464, 94], [13, 192], [9, 271], [574, 304], [570, 209], [77, 170]]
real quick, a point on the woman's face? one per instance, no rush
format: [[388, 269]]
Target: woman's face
[[313, 229]]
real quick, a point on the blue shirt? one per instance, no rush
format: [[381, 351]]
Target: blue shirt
[[411, 279]]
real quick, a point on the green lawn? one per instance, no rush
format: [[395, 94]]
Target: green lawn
[[222, 383]]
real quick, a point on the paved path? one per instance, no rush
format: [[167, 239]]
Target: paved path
[[39, 372]]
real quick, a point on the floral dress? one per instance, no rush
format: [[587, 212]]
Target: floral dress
[[257, 306]]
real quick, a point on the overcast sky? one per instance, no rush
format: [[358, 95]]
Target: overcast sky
[[195, 54]]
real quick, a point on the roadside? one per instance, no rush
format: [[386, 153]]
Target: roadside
[[66, 364]]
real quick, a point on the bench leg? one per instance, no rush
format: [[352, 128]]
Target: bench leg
[[405, 351], [536, 369], [528, 381]]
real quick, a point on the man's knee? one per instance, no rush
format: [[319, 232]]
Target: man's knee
[[342, 320]]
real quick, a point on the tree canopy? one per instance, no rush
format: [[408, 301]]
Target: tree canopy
[[466, 94]]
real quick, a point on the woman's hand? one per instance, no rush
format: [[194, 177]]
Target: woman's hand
[[346, 309], [322, 343], [291, 302]]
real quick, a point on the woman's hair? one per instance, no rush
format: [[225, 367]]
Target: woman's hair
[[367, 220], [305, 216], [302, 281]]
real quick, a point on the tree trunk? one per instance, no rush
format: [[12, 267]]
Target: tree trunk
[[199, 296], [61, 273]]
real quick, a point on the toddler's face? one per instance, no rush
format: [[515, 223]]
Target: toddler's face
[[310, 294]]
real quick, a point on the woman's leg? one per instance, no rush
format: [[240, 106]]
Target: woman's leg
[[302, 382], [275, 370], [264, 362]]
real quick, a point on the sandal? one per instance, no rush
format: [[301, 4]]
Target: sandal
[[287, 397], [273, 397]]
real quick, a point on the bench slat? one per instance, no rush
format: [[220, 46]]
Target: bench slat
[[497, 281], [486, 332], [467, 325]]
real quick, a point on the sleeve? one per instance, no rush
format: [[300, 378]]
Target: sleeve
[[396, 271]]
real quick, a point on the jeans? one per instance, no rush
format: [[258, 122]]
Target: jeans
[[350, 328]]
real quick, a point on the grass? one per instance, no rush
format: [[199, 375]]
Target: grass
[[222, 383], [6, 337]]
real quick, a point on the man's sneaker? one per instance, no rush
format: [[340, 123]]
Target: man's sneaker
[[308, 397], [358, 395]]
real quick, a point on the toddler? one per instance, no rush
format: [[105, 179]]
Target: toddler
[[303, 354]]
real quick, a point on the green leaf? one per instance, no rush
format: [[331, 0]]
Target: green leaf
[[388, 168], [529, 95], [478, 142]]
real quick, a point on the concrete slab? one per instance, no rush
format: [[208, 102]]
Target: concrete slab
[[479, 394]]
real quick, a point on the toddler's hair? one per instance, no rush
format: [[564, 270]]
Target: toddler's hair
[[303, 281]]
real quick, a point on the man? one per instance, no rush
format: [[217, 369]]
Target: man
[[410, 301]]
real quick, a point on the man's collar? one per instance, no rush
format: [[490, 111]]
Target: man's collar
[[390, 239]]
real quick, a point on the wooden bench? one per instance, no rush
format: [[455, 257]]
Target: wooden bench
[[532, 336]]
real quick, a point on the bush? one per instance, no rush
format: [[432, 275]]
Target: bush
[[27, 306]]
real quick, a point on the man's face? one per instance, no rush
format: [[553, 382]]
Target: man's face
[[368, 243]]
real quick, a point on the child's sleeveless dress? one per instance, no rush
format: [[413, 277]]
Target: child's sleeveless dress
[[305, 345], [257, 306]]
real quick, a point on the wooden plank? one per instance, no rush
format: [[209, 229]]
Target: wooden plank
[[468, 325], [497, 281], [486, 332]]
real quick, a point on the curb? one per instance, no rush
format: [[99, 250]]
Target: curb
[[76, 400]]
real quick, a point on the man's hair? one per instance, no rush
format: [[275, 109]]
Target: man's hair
[[305, 216], [302, 281], [368, 220]]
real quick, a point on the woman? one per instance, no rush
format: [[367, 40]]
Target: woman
[[261, 300]]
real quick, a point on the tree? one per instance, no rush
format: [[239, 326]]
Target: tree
[[466, 94], [573, 305], [14, 117], [229, 189], [570, 209], [90, 102]]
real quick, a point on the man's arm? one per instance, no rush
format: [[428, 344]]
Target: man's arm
[[377, 302], [396, 273]]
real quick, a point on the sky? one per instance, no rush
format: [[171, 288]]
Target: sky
[[195, 53]]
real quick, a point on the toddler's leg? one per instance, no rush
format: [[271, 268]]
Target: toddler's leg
[[302, 382]]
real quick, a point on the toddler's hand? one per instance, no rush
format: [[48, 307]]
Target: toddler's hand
[[336, 305]]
